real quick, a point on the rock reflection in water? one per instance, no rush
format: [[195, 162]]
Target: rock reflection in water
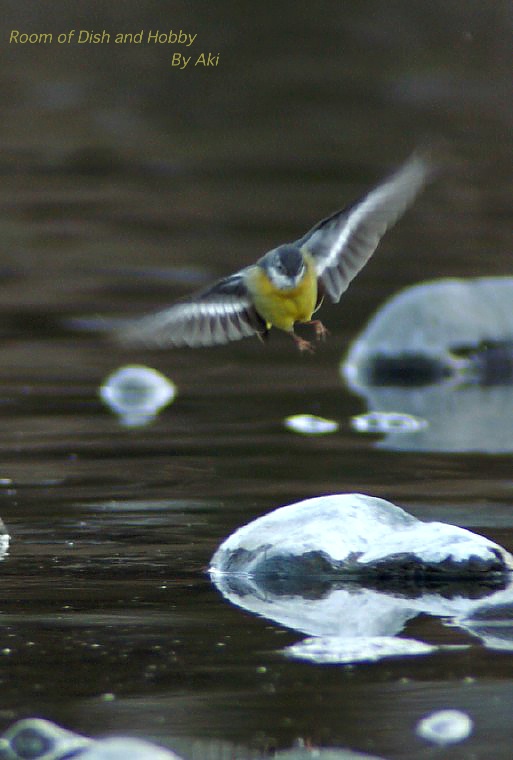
[[441, 352], [492, 622], [337, 650], [459, 418], [353, 622]]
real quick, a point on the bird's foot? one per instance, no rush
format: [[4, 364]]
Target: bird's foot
[[321, 332], [264, 335], [302, 344]]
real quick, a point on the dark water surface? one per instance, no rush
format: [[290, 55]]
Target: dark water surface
[[125, 184]]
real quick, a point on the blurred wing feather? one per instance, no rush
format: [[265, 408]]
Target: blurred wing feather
[[342, 244], [220, 314]]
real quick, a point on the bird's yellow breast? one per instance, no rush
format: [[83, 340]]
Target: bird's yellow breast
[[282, 308]]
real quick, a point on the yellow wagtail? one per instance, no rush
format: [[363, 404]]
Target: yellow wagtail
[[288, 284]]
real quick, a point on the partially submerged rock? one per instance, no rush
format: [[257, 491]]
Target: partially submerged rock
[[310, 424], [36, 738], [445, 727], [436, 330], [440, 353], [137, 394], [359, 536]]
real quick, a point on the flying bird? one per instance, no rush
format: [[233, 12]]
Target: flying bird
[[288, 284]]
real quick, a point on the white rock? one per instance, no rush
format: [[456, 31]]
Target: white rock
[[36, 737], [432, 318], [387, 422], [310, 424], [355, 534], [445, 727], [137, 393]]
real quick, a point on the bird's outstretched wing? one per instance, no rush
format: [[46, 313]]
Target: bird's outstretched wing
[[342, 243], [220, 314]]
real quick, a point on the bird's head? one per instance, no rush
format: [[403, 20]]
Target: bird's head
[[285, 266]]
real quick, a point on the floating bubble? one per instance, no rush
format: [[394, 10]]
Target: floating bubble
[[137, 394], [445, 727], [309, 424], [387, 422]]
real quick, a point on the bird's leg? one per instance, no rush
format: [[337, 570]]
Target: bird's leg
[[320, 331], [302, 344], [263, 336]]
